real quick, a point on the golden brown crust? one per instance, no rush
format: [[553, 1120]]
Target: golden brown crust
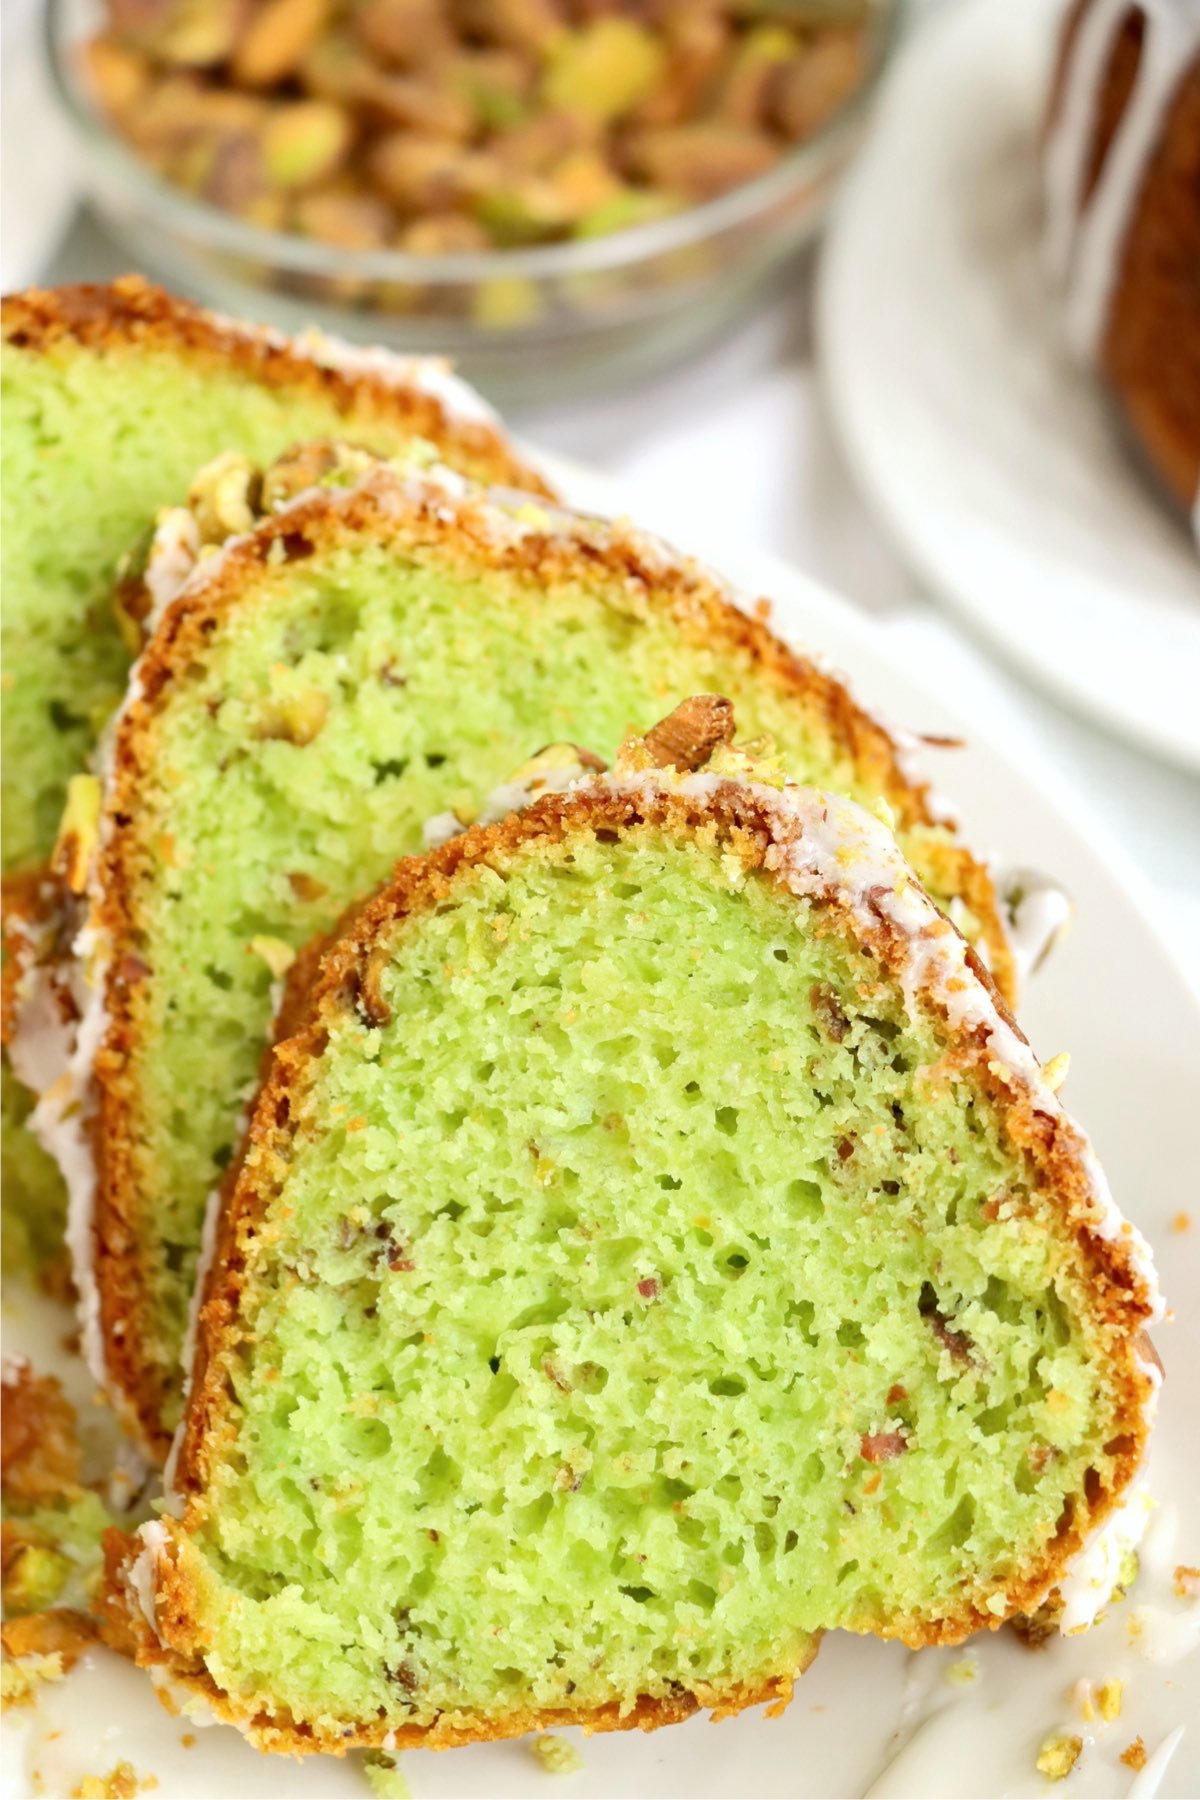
[[130, 312], [20, 911], [127, 1630], [1150, 352], [746, 828]]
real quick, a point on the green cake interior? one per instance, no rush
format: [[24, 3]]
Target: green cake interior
[[93, 442], [33, 1199], [626, 1310], [344, 701]]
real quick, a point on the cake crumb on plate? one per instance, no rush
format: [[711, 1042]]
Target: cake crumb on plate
[[1134, 1755], [384, 1777], [1058, 1755], [556, 1755]]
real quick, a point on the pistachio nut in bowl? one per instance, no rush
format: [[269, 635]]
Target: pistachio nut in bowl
[[555, 194]]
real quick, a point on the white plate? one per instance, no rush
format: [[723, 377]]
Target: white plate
[[1114, 995], [994, 462]]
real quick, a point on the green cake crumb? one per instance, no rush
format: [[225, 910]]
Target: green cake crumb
[[384, 1776], [58, 1558], [121, 1783], [555, 1754], [33, 1197], [963, 1672], [35, 1577], [1058, 1755], [21, 1676]]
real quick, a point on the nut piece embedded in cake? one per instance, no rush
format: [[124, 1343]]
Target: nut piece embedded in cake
[[687, 738]]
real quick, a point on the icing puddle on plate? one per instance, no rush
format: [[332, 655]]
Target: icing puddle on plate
[[869, 1719]]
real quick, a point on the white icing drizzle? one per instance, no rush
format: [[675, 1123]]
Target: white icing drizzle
[[139, 1575], [510, 797], [1038, 914], [1084, 243], [432, 375], [978, 1735], [1070, 137], [910, 747], [515, 796], [439, 829], [1095, 1573], [174, 552], [60, 1122], [47, 1001], [1148, 1780], [63, 1061]]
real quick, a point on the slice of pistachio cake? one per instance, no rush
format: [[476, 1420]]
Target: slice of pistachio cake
[[654, 1245], [370, 656], [113, 397]]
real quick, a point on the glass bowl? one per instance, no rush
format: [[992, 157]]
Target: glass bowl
[[522, 323]]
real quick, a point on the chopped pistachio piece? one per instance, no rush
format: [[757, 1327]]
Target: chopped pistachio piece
[[304, 142], [603, 69], [78, 831], [1109, 1696]]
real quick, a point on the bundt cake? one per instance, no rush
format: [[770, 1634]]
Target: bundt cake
[[368, 657], [113, 397], [654, 1245], [1122, 187]]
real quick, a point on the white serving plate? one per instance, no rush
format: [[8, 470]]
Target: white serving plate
[[869, 1718], [993, 461]]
